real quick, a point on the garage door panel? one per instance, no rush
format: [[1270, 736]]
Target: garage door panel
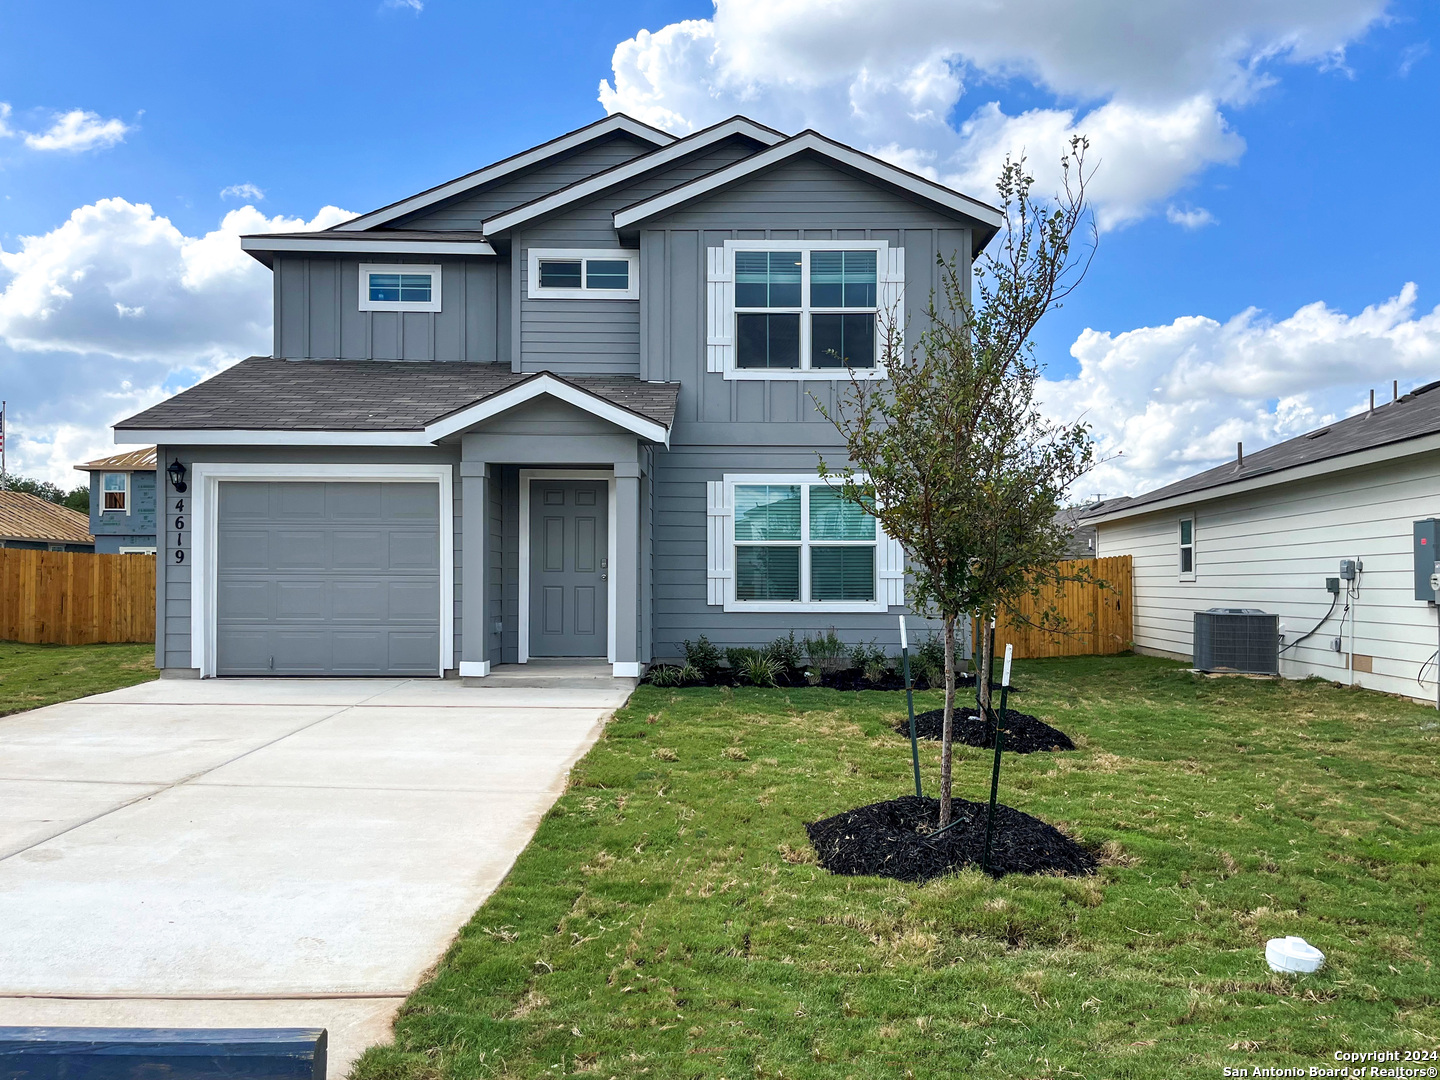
[[245, 549], [245, 601], [414, 550], [412, 601], [300, 600], [360, 550], [359, 601], [328, 578], [293, 501]]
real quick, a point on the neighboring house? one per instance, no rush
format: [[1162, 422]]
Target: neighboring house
[[28, 521], [560, 406], [1267, 530], [1082, 533], [122, 502]]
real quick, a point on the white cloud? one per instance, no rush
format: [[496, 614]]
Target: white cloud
[[892, 76], [115, 309], [417, 6], [6, 131], [246, 190], [1189, 217], [79, 130], [1175, 399]]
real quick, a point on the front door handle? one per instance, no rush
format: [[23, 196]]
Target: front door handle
[[604, 576]]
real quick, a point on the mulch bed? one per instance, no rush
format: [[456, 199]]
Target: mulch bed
[[1024, 734], [889, 839]]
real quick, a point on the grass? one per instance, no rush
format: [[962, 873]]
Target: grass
[[36, 675], [668, 919]]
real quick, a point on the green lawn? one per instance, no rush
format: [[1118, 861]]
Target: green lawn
[[36, 675], [668, 919]]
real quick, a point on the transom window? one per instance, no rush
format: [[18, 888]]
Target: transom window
[[802, 543], [399, 287], [584, 274], [115, 492], [805, 309]]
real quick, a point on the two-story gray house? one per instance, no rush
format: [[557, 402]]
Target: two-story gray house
[[122, 502], [561, 406]]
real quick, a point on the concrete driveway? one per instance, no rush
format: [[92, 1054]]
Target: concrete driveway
[[285, 852]]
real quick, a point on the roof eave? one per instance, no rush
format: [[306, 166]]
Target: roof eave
[[606, 127], [987, 216], [265, 248]]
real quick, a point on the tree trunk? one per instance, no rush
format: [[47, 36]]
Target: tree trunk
[[947, 731], [987, 660]]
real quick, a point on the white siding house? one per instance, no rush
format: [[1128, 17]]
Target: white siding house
[[1266, 533]]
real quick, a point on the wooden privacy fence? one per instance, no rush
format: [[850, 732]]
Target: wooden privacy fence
[[76, 598], [1097, 620]]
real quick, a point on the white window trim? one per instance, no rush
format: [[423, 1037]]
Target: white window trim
[[126, 492], [608, 475], [204, 539], [366, 304], [720, 304], [136, 551], [535, 292], [1179, 547], [733, 480]]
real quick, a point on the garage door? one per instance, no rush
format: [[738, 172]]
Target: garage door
[[328, 579]]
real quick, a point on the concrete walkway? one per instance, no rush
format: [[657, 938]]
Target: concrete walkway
[[285, 852]]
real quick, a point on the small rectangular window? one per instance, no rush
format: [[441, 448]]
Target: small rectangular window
[[842, 279], [609, 274], [583, 274], [115, 491], [560, 273], [767, 279], [767, 341], [399, 287], [1187, 547]]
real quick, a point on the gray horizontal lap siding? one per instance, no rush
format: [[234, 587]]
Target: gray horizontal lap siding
[[594, 337], [318, 316], [173, 579], [728, 426]]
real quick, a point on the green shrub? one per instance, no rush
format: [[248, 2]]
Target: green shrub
[[674, 675], [759, 669], [873, 661], [786, 652], [736, 658], [826, 652], [703, 657], [927, 661]]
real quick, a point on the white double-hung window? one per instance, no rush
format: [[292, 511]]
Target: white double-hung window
[[399, 287], [801, 308], [115, 492], [791, 543]]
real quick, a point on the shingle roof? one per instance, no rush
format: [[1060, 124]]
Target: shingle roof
[[367, 395], [142, 460], [29, 517], [1413, 416]]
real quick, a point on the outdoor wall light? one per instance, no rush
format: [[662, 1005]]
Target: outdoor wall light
[[176, 472]]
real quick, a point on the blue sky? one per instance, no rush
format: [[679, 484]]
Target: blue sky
[[1272, 155]]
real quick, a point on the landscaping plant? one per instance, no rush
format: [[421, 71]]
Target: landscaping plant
[[703, 657], [950, 452]]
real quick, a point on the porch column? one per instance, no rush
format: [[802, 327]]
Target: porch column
[[625, 570], [474, 623]]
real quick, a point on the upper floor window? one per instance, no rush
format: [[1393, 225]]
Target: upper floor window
[[115, 492], [801, 309], [584, 274], [399, 287]]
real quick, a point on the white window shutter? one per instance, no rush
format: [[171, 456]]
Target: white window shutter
[[719, 304], [892, 292], [892, 571], [719, 568]]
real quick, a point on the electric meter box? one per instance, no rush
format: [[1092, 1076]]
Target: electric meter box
[[1427, 533]]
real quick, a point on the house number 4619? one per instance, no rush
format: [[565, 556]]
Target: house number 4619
[[179, 528]]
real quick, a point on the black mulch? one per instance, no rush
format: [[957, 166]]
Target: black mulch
[[890, 839], [1024, 734]]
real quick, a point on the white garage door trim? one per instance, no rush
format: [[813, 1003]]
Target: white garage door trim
[[205, 510]]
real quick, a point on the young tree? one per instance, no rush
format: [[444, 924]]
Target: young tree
[[949, 451]]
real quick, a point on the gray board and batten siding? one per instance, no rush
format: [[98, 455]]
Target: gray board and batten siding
[[316, 310]]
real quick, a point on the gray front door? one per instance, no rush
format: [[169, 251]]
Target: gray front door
[[328, 579], [569, 574]]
